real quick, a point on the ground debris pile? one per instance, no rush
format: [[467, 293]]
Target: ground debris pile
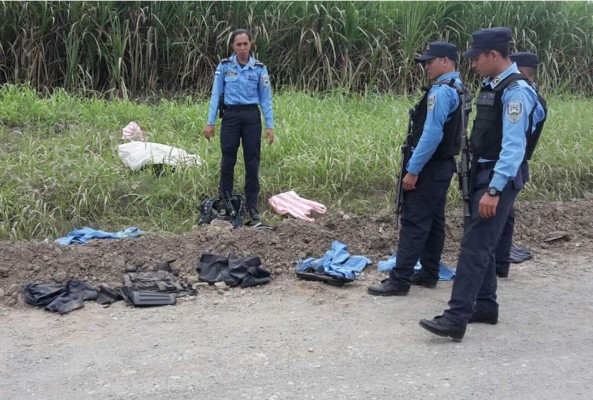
[[543, 227]]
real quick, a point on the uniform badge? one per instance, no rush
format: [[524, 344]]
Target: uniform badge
[[514, 110], [432, 99], [230, 73], [266, 80]]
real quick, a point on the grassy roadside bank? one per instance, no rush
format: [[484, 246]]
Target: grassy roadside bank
[[61, 169]]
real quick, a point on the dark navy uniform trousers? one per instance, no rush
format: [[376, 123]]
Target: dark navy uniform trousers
[[503, 250], [422, 233], [241, 125], [475, 277]]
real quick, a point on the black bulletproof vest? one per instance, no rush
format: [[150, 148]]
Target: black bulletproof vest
[[451, 142], [486, 139]]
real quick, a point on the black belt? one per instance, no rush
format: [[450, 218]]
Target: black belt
[[240, 107], [486, 165]]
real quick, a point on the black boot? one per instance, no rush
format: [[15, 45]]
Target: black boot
[[443, 327], [423, 280], [388, 288]]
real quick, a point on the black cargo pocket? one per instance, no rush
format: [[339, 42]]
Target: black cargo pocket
[[443, 175], [483, 178]]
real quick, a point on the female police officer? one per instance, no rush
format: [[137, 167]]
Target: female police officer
[[241, 84]]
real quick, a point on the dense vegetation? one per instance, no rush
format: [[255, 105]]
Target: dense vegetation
[[61, 170], [343, 76], [131, 48]]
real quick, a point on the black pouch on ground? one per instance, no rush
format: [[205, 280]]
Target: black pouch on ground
[[232, 270]]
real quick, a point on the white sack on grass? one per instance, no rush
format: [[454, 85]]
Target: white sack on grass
[[136, 155]]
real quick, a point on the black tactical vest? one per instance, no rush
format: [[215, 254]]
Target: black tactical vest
[[486, 138], [451, 142]]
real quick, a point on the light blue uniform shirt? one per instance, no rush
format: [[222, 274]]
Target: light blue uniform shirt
[[539, 113], [442, 101], [517, 103], [249, 84]]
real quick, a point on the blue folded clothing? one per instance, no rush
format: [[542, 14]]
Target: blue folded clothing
[[85, 234], [519, 254], [336, 262], [445, 273]]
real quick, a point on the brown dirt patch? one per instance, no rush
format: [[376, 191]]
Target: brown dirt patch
[[104, 261]]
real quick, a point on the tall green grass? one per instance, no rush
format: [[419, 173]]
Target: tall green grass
[[128, 49], [58, 154]]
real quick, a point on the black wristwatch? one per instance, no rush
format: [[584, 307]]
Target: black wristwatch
[[493, 191]]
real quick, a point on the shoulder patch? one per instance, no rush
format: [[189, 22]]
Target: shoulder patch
[[265, 80], [514, 110], [432, 99]]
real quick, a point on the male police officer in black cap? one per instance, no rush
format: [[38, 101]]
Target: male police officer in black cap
[[498, 141], [435, 142], [527, 63]]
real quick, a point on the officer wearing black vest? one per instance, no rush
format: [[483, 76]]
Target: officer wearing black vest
[[435, 142], [527, 63], [498, 141]]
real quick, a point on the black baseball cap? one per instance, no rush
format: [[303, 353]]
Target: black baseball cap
[[525, 59], [489, 39], [438, 49]]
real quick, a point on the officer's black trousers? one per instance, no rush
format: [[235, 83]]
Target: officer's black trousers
[[241, 127], [422, 233], [503, 250], [475, 278]]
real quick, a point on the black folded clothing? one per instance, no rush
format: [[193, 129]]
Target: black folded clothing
[[329, 279], [61, 298], [232, 270]]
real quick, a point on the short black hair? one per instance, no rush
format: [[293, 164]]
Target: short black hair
[[530, 72], [504, 53]]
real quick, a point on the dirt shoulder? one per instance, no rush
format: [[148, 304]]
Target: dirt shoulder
[[292, 339]]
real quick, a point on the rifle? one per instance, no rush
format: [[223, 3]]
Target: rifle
[[221, 105], [463, 170], [406, 154]]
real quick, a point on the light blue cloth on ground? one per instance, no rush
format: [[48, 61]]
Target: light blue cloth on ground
[[83, 235], [445, 273], [335, 262]]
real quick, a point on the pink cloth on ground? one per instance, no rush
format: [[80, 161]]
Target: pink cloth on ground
[[132, 130], [291, 203]]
